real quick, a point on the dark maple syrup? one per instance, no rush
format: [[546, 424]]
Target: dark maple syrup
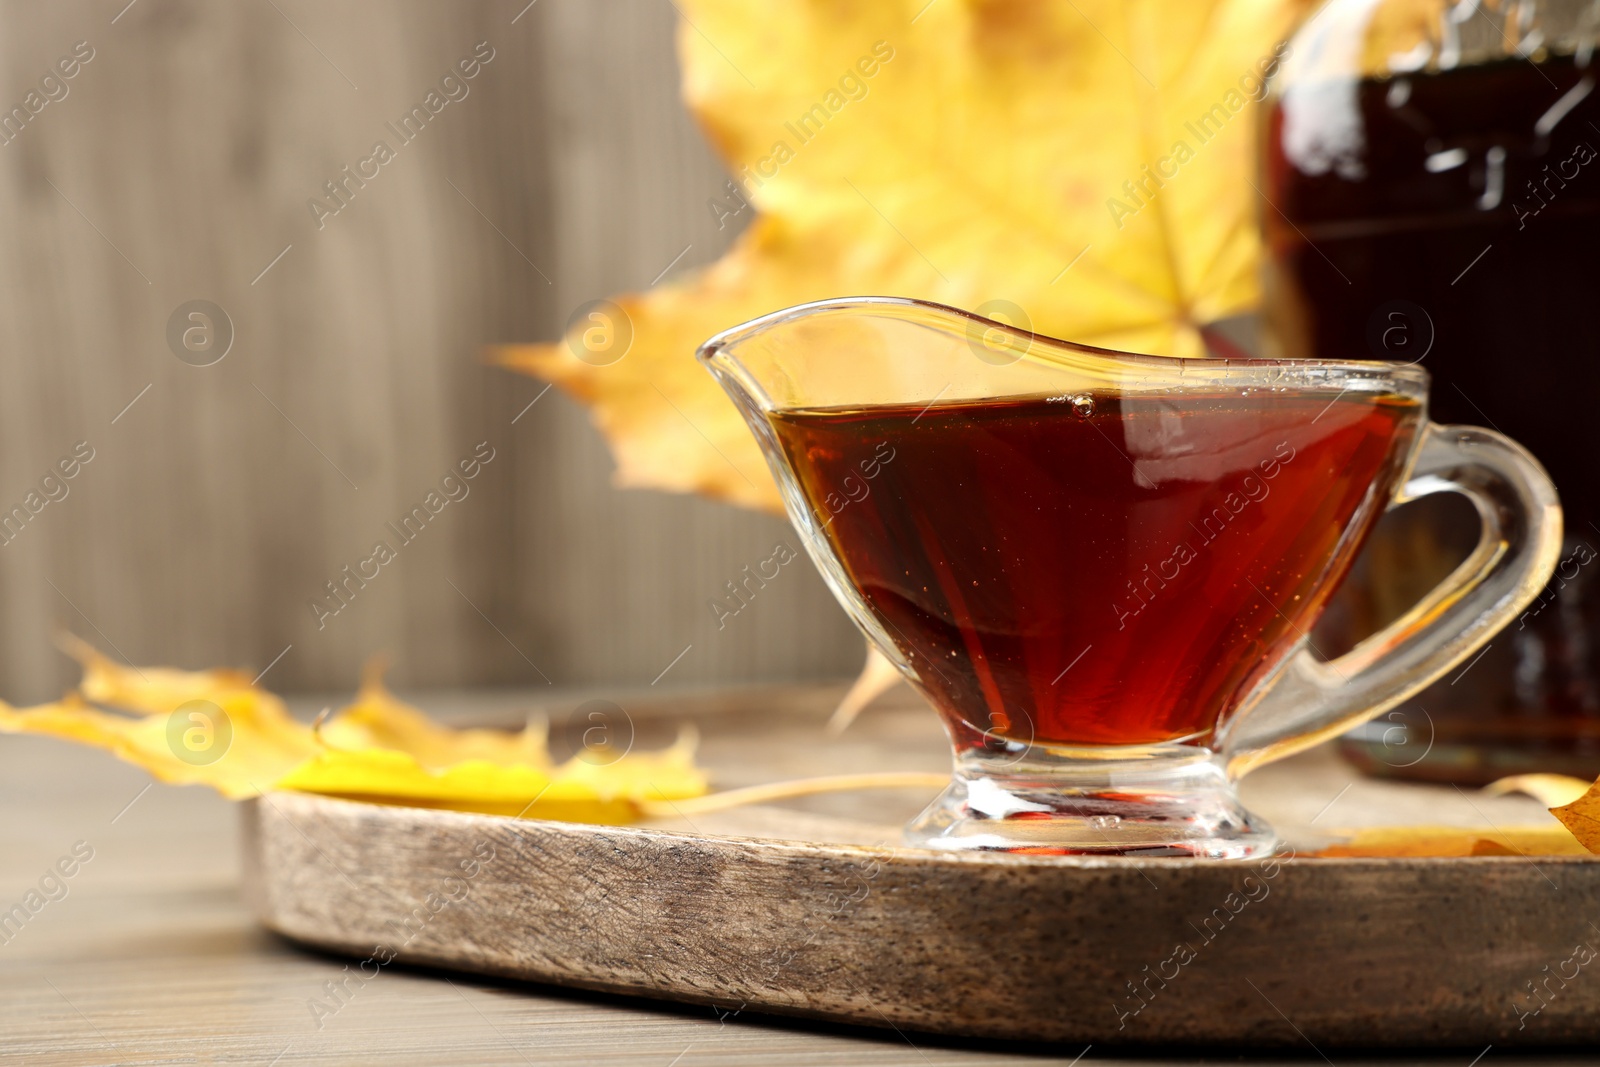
[[1096, 570]]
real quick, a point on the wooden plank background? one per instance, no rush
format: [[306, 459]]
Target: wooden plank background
[[176, 167]]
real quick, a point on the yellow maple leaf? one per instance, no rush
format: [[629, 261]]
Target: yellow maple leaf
[[1084, 170], [217, 728], [184, 727], [1582, 817], [577, 791], [1536, 840], [1396, 842], [1551, 790], [379, 721]]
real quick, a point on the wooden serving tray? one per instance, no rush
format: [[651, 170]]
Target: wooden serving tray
[[795, 910]]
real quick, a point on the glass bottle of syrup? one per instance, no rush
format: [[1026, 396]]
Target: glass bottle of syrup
[[1431, 192]]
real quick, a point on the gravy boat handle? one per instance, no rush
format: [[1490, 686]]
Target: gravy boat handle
[[1309, 700]]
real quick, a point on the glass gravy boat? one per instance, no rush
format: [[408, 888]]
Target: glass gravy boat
[[1102, 568]]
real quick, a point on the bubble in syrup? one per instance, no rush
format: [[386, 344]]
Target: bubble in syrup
[[1083, 405]]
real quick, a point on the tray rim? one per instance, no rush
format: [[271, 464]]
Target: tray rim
[[912, 853]]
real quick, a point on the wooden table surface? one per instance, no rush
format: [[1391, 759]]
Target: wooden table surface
[[151, 957]]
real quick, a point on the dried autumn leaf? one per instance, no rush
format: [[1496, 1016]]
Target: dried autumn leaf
[[878, 675], [979, 153], [273, 747], [1582, 817], [577, 791], [378, 720], [377, 749], [1551, 790], [150, 690], [1542, 840], [1393, 842], [273, 742]]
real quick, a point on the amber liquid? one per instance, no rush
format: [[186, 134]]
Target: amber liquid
[[1473, 194], [1118, 577]]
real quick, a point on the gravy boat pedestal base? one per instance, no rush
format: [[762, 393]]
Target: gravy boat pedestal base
[[1155, 800]]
